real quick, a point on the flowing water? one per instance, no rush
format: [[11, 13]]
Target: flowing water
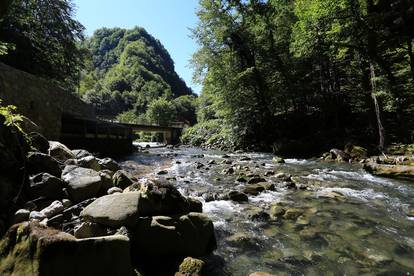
[[343, 221]]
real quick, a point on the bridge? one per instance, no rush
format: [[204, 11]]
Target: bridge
[[62, 116], [171, 133]]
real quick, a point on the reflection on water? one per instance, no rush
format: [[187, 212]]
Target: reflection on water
[[342, 221]]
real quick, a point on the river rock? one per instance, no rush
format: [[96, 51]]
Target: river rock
[[109, 164], [331, 195], [53, 209], [114, 210], [339, 155], [241, 240], [42, 163], [187, 235], [46, 185], [106, 180], [39, 142], [261, 274], [60, 152], [31, 249], [283, 176], [253, 189], [121, 180], [162, 198], [241, 179], [292, 213], [194, 205], [82, 183], [81, 153], [255, 180], [190, 267], [258, 215], [356, 152], [21, 215], [393, 171], [278, 160], [35, 215], [89, 230], [237, 196], [228, 171], [277, 211], [114, 190], [89, 162]]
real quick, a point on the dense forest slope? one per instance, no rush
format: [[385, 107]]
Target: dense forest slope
[[130, 72], [297, 73]]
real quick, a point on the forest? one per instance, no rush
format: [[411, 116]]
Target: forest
[[301, 75]]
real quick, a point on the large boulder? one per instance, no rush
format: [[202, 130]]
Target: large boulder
[[80, 153], [117, 210], [39, 142], [89, 162], [187, 235], [394, 171], [162, 198], [121, 180], [46, 185], [114, 210], [81, 183], [59, 151], [42, 163], [109, 164], [31, 249]]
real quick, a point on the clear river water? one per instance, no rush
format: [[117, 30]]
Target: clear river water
[[343, 221]]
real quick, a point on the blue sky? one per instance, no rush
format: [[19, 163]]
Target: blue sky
[[166, 20]]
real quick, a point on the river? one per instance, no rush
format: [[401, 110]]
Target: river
[[345, 221]]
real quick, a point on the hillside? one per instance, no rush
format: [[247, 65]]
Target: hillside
[[127, 71]]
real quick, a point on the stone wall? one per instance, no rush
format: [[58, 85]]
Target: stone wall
[[40, 100]]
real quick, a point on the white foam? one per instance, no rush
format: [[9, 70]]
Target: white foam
[[267, 197], [364, 195], [297, 161], [221, 206]]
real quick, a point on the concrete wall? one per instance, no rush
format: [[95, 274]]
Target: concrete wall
[[40, 100]]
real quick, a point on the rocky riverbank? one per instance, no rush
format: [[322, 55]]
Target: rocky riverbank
[[70, 213], [397, 161]]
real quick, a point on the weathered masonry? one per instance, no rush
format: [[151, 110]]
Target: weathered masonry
[[40, 100], [61, 115]]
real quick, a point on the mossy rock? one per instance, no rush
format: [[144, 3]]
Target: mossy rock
[[190, 267], [32, 249], [393, 171]]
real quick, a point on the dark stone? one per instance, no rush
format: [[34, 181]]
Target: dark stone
[[237, 196], [39, 142], [256, 180], [46, 185], [121, 180], [42, 163]]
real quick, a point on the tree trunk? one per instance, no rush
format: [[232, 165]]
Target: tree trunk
[[381, 130], [411, 56]]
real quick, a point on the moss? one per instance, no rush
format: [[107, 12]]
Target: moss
[[190, 267]]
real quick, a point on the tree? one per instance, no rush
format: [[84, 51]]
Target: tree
[[161, 112], [45, 39]]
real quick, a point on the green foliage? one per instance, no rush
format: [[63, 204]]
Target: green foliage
[[11, 119], [213, 133], [127, 71], [161, 112], [45, 39], [266, 61]]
